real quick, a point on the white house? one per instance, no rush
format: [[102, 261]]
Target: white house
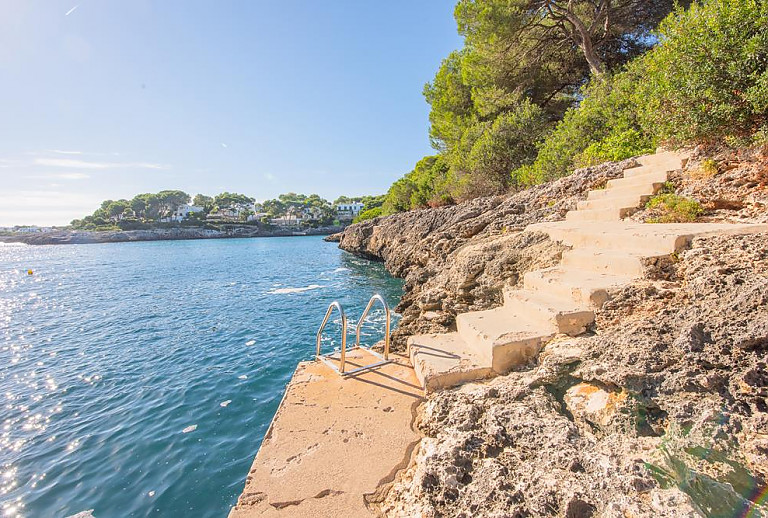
[[182, 212], [349, 210], [287, 221], [312, 213], [257, 216]]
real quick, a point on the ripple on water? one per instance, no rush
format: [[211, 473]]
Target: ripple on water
[[139, 378]]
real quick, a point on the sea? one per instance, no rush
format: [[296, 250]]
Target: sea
[[138, 379]]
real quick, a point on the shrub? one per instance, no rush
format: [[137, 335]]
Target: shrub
[[707, 169], [708, 78], [507, 144], [615, 147], [671, 208], [588, 132], [418, 187], [368, 214]]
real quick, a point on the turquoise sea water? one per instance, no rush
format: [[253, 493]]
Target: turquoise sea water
[[138, 379]]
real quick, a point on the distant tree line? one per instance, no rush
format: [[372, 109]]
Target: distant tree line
[[152, 209]]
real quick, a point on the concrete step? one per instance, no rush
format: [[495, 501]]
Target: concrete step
[[624, 236], [590, 289], [568, 317], [624, 192], [643, 238], [648, 169], [665, 159], [445, 360], [608, 214], [504, 337], [614, 202], [604, 261], [649, 179]]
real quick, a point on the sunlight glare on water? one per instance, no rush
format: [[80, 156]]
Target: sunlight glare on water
[[138, 379]]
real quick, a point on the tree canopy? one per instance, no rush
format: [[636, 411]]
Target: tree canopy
[[522, 67]]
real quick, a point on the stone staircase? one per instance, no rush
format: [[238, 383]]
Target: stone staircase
[[607, 253]]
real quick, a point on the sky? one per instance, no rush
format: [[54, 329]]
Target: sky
[[105, 99]]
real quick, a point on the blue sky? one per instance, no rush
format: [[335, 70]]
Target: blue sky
[[109, 98]]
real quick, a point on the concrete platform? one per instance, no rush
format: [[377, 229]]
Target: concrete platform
[[334, 442]]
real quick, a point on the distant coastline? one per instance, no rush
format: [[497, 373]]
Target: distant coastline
[[80, 237]]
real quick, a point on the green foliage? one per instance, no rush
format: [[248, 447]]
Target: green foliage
[[231, 199], [708, 79], [201, 200], [522, 67], [451, 101], [615, 147], [368, 214], [418, 188], [507, 144], [671, 208]]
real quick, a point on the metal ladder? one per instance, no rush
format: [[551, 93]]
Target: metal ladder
[[329, 358]]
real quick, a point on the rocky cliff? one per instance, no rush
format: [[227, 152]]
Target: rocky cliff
[[458, 258], [660, 410]]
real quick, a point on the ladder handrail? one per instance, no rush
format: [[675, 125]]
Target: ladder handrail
[[386, 325], [337, 305]]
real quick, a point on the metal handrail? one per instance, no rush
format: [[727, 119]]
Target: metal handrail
[[386, 325], [337, 305]]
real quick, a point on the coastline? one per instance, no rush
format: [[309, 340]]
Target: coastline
[[82, 237]]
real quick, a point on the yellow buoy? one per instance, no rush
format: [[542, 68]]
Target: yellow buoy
[[30, 272]]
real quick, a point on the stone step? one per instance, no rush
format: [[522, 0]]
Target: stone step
[[614, 202], [643, 238], [445, 360], [624, 192], [608, 214], [624, 236], [648, 179], [568, 317], [591, 289], [664, 158], [648, 169], [604, 261], [502, 336]]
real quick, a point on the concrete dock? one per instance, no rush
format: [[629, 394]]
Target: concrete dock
[[335, 443]]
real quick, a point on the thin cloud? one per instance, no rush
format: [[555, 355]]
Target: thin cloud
[[83, 164], [72, 10], [62, 152], [62, 176]]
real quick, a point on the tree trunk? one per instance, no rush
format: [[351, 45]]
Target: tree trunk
[[595, 63], [582, 37]]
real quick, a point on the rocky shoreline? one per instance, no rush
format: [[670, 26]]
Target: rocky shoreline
[[69, 237], [661, 409]]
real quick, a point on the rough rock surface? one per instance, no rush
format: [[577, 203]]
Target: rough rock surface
[[661, 411], [458, 258], [679, 427], [731, 185]]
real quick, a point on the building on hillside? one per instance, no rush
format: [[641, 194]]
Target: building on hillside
[[31, 229], [349, 210], [312, 213], [288, 220], [258, 216], [182, 212]]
